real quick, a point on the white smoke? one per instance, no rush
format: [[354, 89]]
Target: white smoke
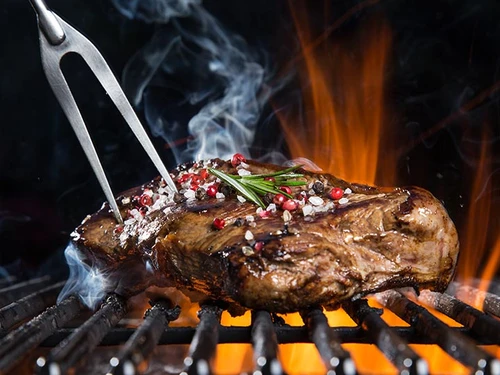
[[85, 281], [225, 79]]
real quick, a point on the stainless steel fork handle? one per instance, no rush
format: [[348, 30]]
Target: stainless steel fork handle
[[48, 23]]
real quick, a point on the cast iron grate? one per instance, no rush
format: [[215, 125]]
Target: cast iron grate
[[35, 321]]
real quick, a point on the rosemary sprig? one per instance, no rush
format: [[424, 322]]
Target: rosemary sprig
[[252, 186]]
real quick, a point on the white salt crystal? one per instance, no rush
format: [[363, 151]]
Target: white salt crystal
[[307, 210], [126, 200], [287, 216], [347, 191], [271, 208], [316, 201], [241, 199], [123, 236], [248, 235], [343, 200], [247, 250], [249, 218], [190, 194], [219, 195], [244, 172]]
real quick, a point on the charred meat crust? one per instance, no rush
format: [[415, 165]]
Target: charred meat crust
[[382, 238]]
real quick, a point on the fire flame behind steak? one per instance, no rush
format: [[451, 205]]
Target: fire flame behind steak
[[325, 252]]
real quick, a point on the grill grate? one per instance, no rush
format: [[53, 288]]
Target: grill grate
[[71, 347]]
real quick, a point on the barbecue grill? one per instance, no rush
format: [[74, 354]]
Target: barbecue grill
[[34, 324]]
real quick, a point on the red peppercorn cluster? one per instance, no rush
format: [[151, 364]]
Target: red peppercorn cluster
[[212, 190], [218, 223], [196, 179], [286, 189], [237, 159], [336, 193], [145, 200], [259, 245]]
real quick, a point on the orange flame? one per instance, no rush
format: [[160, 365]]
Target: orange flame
[[344, 101], [478, 259], [476, 231]]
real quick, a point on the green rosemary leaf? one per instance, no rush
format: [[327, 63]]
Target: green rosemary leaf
[[274, 174], [263, 189], [291, 183], [250, 186], [247, 193], [289, 175]]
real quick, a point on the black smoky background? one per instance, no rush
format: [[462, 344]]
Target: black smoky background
[[442, 70]]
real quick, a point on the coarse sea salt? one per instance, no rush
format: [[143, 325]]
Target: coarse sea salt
[[190, 194], [244, 172], [241, 199], [271, 207], [219, 195], [347, 191], [316, 201], [343, 200], [307, 210], [248, 235], [247, 250], [287, 216]]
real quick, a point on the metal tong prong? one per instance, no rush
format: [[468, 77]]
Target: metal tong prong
[[57, 38]]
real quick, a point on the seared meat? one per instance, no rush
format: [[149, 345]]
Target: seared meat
[[325, 251]]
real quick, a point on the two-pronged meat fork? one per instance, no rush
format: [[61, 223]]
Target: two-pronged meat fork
[[57, 38]]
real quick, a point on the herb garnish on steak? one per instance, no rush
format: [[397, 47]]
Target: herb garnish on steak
[[332, 241]]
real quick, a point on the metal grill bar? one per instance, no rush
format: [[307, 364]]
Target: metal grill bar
[[266, 331], [204, 342], [142, 343], [265, 344], [456, 345], [9, 294], [336, 359], [242, 335], [25, 338], [80, 344], [471, 295], [27, 307], [6, 281], [393, 346], [480, 323]]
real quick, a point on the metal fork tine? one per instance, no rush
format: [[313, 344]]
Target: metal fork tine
[[51, 63], [101, 70], [74, 42]]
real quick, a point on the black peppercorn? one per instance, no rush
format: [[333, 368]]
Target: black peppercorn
[[225, 189], [268, 198], [178, 198], [201, 194], [239, 222], [318, 187]]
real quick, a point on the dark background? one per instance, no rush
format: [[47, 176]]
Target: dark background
[[445, 54]]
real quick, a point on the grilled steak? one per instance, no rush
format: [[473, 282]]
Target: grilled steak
[[321, 248]]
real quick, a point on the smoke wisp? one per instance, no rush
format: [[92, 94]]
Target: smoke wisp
[[193, 63]]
